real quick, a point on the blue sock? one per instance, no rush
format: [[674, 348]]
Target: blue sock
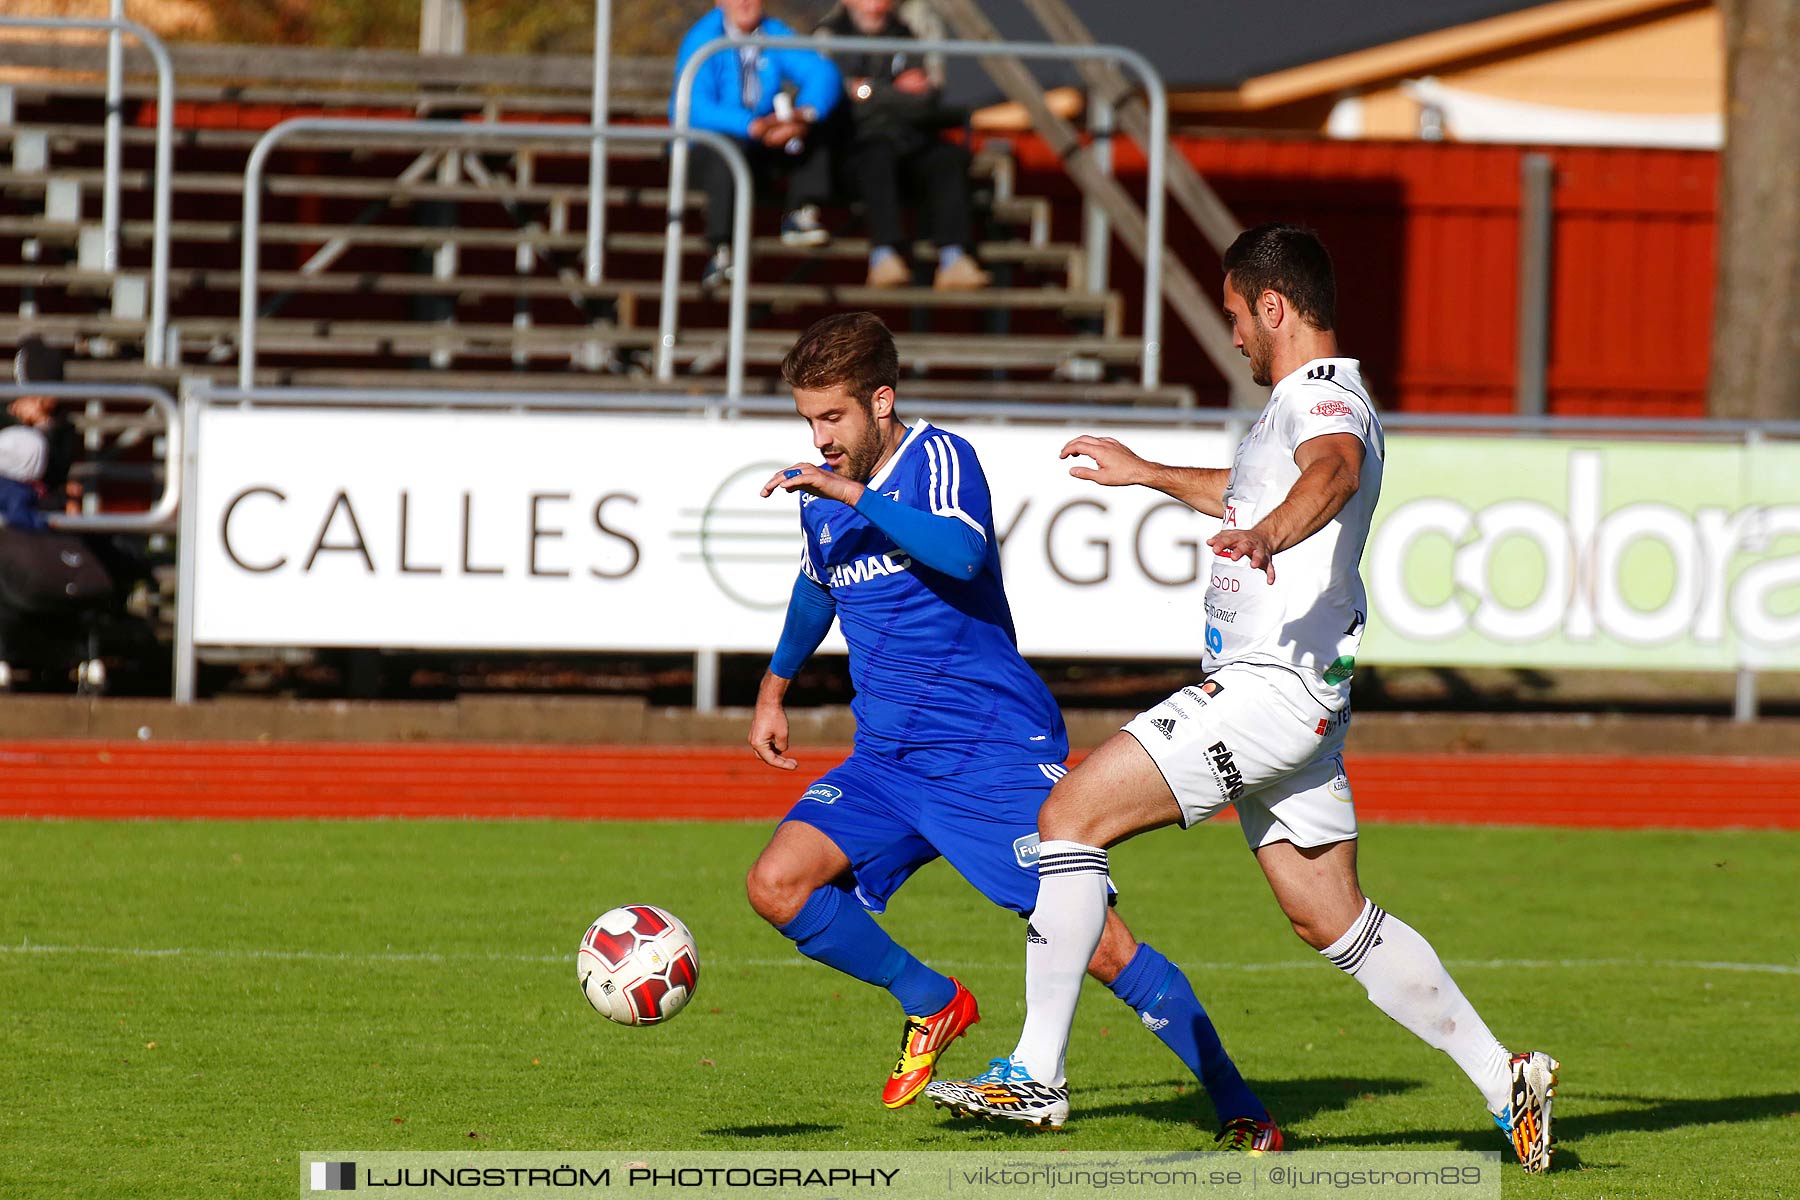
[[948, 255], [879, 255], [1165, 1001], [832, 928]]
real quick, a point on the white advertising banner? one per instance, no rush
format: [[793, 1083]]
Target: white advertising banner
[[434, 530]]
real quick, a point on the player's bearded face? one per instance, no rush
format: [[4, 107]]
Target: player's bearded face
[[1259, 346], [1255, 340], [860, 443], [845, 430]]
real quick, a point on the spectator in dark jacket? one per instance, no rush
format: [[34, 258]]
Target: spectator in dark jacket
[[772, 101], [894, 143]]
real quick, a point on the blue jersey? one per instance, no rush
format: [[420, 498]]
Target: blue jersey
[[940, 683]]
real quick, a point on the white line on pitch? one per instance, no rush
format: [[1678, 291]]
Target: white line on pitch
[[1508, 964]]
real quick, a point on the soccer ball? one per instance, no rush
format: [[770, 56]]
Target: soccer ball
[[637, 965]]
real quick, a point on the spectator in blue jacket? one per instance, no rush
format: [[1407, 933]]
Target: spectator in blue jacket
[[772, 101]]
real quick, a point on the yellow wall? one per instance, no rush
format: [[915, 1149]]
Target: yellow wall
[[1672, 65], [1669, 64]]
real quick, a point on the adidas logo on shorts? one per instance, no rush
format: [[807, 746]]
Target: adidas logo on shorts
[[1034, 937], [1164, 726]]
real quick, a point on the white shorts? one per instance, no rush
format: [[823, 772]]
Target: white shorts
[[1255, 737]]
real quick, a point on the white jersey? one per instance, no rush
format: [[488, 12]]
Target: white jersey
[[1310, 620]]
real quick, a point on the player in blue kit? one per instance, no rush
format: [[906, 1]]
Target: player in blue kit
[[958, 741]]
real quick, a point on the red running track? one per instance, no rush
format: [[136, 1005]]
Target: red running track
[[239, 780]]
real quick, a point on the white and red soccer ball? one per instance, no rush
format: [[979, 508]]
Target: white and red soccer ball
[[637, 965]]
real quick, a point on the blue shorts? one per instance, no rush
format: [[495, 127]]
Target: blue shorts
[[890, 822]]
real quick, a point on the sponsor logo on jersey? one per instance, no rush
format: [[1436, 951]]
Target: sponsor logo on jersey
[[1153, 1024], [1322, 371], [824, 793], [1025, 851], [870, 566], [1340, 670], [1340, 789], [824, 533], [1231, 780], [893, 495], [1034, 937], [1337, 720], [1332, 408], [1164, 726], [1215, 641]]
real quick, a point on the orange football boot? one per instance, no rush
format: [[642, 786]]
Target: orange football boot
[[923, 1039]]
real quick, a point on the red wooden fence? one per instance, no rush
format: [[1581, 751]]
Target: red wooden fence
[[1425, 237]]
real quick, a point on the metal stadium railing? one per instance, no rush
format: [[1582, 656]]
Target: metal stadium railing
[[356, 130], [156, 347]]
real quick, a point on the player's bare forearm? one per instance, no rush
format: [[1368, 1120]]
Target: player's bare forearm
[[1200, 488], [772, 690], [1116, 465]]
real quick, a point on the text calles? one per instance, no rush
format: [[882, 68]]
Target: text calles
[[261, 532]]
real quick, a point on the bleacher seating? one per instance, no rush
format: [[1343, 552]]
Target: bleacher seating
[[378, 262]]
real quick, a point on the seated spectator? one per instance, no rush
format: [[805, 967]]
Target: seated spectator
[[744, 96], [52, 587], [37, 362], [22, 455], [894, 143]]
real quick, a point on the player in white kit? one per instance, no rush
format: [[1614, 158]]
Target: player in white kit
[[1264, 728]]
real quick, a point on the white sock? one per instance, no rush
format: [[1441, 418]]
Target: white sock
[[1060, 939], [1405, 980]]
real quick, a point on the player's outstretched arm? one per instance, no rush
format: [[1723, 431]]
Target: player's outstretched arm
[[1330, 471], [1115, 465]]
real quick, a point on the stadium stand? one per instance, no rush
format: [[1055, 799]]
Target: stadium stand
[[381, 260]]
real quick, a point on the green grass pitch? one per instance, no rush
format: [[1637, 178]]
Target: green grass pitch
[[185, 1006]]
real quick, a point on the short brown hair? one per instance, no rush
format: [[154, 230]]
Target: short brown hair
[[1289, 259], [854, 350]]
